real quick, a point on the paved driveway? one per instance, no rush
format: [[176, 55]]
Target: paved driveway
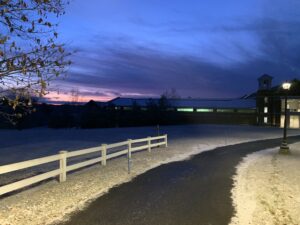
[[193, 192]]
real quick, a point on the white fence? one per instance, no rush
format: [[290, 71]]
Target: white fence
[[63, 156]]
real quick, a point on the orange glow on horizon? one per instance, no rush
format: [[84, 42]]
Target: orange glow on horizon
[[67, 97]]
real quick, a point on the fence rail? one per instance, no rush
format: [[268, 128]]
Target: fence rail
[[63, 156]]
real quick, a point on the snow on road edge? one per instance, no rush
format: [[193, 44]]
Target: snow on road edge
[[267, 188]]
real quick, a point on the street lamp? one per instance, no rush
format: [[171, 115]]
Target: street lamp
[[284, 148]]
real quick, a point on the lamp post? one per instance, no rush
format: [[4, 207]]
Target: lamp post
[[284, 148]]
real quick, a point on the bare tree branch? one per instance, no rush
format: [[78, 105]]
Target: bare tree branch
[[30, 56]]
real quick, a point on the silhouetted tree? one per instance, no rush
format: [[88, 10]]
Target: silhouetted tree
[[171, 94], [294, 90], [29, 53], [74, 96], [295, 87], [163, 103]]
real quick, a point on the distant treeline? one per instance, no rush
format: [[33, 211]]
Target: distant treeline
[[92, 115]]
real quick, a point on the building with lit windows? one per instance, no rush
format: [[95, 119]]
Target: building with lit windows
[[270, 103], [177, 111], [264, 107]]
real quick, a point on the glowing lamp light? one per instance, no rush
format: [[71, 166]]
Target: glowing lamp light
[[286, 85], [284, 148]]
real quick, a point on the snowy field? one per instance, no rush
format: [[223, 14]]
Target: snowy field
[[32, 143], [267, 188], [52, 202]]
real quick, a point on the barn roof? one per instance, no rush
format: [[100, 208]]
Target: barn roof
[[188, 103]]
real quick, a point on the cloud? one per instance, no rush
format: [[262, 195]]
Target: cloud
[[136, 69], [226, 66]]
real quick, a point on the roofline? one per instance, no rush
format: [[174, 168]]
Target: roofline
[[112, 99], [184, 99]]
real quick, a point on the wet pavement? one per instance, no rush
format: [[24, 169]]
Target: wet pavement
[[193, 192]]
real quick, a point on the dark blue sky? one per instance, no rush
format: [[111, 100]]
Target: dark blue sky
[[202, 48]]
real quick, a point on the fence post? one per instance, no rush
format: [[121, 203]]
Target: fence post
[[129, 155], [129, 148], [166, 140], [103, 154], [63, 166], [149, 144]]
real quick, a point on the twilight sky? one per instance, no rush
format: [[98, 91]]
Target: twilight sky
[[203, 49]]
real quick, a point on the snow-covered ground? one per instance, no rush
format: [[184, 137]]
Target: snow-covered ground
[[18, 145], [52, 202], [267, 188]]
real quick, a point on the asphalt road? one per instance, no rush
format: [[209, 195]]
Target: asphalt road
[[193, 192]]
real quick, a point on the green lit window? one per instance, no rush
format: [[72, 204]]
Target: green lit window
[[225, 110], [205, 110], [185, 110], [127, 108]]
